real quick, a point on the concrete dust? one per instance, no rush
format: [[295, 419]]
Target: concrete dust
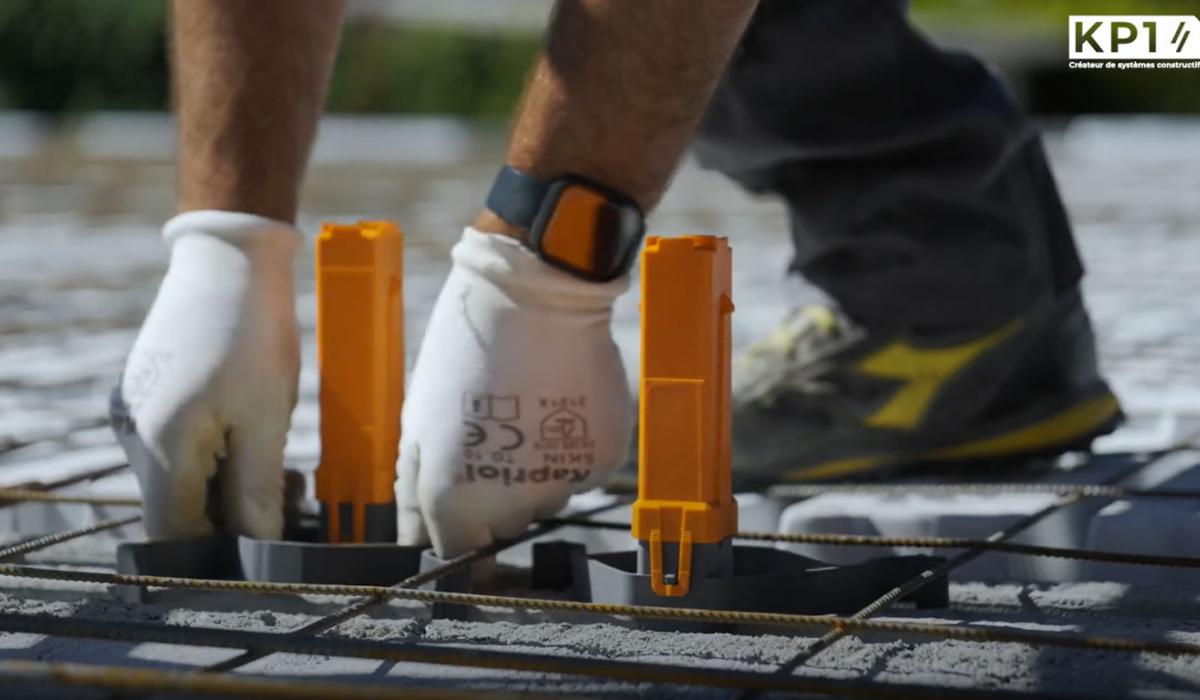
[[1095, 608]]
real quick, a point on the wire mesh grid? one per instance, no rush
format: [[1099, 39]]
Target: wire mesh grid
[[219, 678]]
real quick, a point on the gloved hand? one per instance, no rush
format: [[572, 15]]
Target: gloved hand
[[518, 399], [210, 384]]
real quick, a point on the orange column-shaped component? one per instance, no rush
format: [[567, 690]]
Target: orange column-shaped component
[[360, 352], [684, 484]]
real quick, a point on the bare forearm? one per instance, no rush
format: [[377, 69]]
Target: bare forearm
[[249, 79], [619, 89]]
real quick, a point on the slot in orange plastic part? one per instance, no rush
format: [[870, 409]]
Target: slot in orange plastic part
[[684, 482], [360, 355]]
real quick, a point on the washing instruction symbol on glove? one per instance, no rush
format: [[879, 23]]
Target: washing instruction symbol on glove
[[489, 407], [564, 425], [493, 408], [563, 429]]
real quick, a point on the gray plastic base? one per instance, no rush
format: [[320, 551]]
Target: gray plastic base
[[762, 580], [458, 581], [214, 557], [245, 558], [371, 564], [759, 578]]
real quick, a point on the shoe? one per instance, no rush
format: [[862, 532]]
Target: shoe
[[822, 398]]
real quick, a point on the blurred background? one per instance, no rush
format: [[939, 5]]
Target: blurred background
[[468, 57], [418, 104]]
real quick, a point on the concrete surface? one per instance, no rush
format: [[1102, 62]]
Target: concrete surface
[[1083, 608], [78, 216], [1144, 526]]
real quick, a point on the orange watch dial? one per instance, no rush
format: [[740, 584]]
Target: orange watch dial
[[580, 234]]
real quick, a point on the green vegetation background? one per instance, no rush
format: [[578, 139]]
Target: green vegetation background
[[66, 56], [63, 56]]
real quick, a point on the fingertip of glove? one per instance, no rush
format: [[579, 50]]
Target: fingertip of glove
[[410, 528], [451, 540], [551, 508]]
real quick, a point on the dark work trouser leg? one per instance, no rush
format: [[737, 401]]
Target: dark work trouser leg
[[919, 193]]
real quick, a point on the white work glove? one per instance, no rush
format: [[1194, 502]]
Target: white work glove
[[210, 384], [518, 399]]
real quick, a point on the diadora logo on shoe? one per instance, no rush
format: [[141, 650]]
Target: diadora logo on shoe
[[923, 371]]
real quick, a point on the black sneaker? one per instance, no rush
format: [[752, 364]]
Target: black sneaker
[[821, 398]]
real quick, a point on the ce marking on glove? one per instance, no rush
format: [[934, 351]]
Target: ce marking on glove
[[477, 435], [480, 408]]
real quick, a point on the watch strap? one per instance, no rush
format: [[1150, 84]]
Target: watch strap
[[516, 197]]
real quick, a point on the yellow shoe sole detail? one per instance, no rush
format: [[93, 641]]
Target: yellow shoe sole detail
[[834, 468], [1072, 423], [1059, 429]]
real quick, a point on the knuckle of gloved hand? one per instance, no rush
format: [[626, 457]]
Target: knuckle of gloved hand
[[261, 398], [454, 531], [513, 523], [173, 435], [549, 507]]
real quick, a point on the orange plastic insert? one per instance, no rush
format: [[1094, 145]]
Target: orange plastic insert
[[360, 353], [684, 483]]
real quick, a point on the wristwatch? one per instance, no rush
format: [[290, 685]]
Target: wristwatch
[[574, 224]]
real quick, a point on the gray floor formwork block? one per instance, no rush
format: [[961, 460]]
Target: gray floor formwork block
[[1145, 525]]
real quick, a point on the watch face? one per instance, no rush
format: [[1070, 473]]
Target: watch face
[[587, 231]]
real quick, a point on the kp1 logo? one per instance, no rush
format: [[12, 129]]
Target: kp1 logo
[[1134, 37]]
